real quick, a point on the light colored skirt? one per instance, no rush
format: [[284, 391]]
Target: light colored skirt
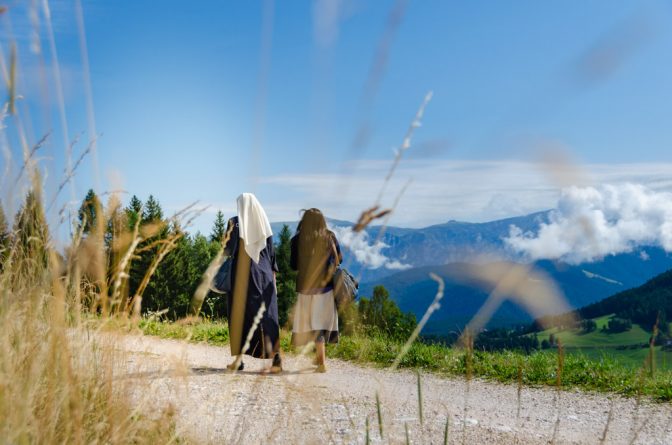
[[315, 315]]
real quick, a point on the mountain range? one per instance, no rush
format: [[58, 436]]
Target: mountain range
[[452, 249]]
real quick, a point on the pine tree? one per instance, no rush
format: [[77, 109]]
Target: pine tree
[[286, 277], [219, 228], [157, 294], [89, 211], [152, 211], [133, 211]]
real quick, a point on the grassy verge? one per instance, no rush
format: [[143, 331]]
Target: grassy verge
[[539, 368], [212, 332]]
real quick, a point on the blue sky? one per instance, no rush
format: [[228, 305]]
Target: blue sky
[[204, 100]]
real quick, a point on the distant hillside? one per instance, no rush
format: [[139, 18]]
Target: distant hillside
[[629, 347], [622, 324], [447, 248], [584, 284], [640, 305]]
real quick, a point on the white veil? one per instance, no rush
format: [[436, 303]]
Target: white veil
[[253, 225]]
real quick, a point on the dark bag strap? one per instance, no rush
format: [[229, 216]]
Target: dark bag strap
[[337, 262]]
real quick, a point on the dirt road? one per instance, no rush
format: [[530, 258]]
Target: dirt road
[[299, 406]]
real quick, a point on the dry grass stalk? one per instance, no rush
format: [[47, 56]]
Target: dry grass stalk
[[519, 389], [436, 304], [561, 365], [469, 357], [420, 411], [638, 404], [558, 387], [652, 347], [610, 417], [204, 287], [365, 220], [368, 216], [639, 430], [530, 288], [29, 157], [405, 145], [167, 246], [519, 397], [380, 415], [70, 172], [86, 71], [63, 388], [60, 98], [11, 82], [122, 269], [250, 334]]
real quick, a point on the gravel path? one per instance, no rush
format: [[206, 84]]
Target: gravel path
[[300, 406]]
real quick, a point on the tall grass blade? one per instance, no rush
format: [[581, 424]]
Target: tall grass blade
[[380, 415], [420, 411], [652, 347], [469, 370], [558, 386], [436, 304], [367, 439], [519, 396], [610, 417]]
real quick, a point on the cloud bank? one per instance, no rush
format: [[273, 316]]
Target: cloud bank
[[441, 190], [369, 255], [593, 222]]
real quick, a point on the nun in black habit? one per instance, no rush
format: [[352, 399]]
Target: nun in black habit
[[253, 305]]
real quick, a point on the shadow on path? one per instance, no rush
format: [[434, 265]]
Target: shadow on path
[[201, 371]]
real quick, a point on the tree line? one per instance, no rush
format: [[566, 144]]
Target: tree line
[[161, 264]]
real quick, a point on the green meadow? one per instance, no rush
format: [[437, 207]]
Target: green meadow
[[630, 348]]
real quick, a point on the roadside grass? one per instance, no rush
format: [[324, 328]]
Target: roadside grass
[[212, 332], [603, 374], [628, 357], [539, 368], [59, 387]]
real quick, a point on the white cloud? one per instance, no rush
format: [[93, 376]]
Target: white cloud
[[441, 190], [369, 255], [593, 222], [397, 265]]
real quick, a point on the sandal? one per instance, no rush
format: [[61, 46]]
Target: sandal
[[231, 366], [276, 367]]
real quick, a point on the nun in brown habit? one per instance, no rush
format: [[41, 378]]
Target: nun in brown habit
[[315, 254], [253, 305]]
